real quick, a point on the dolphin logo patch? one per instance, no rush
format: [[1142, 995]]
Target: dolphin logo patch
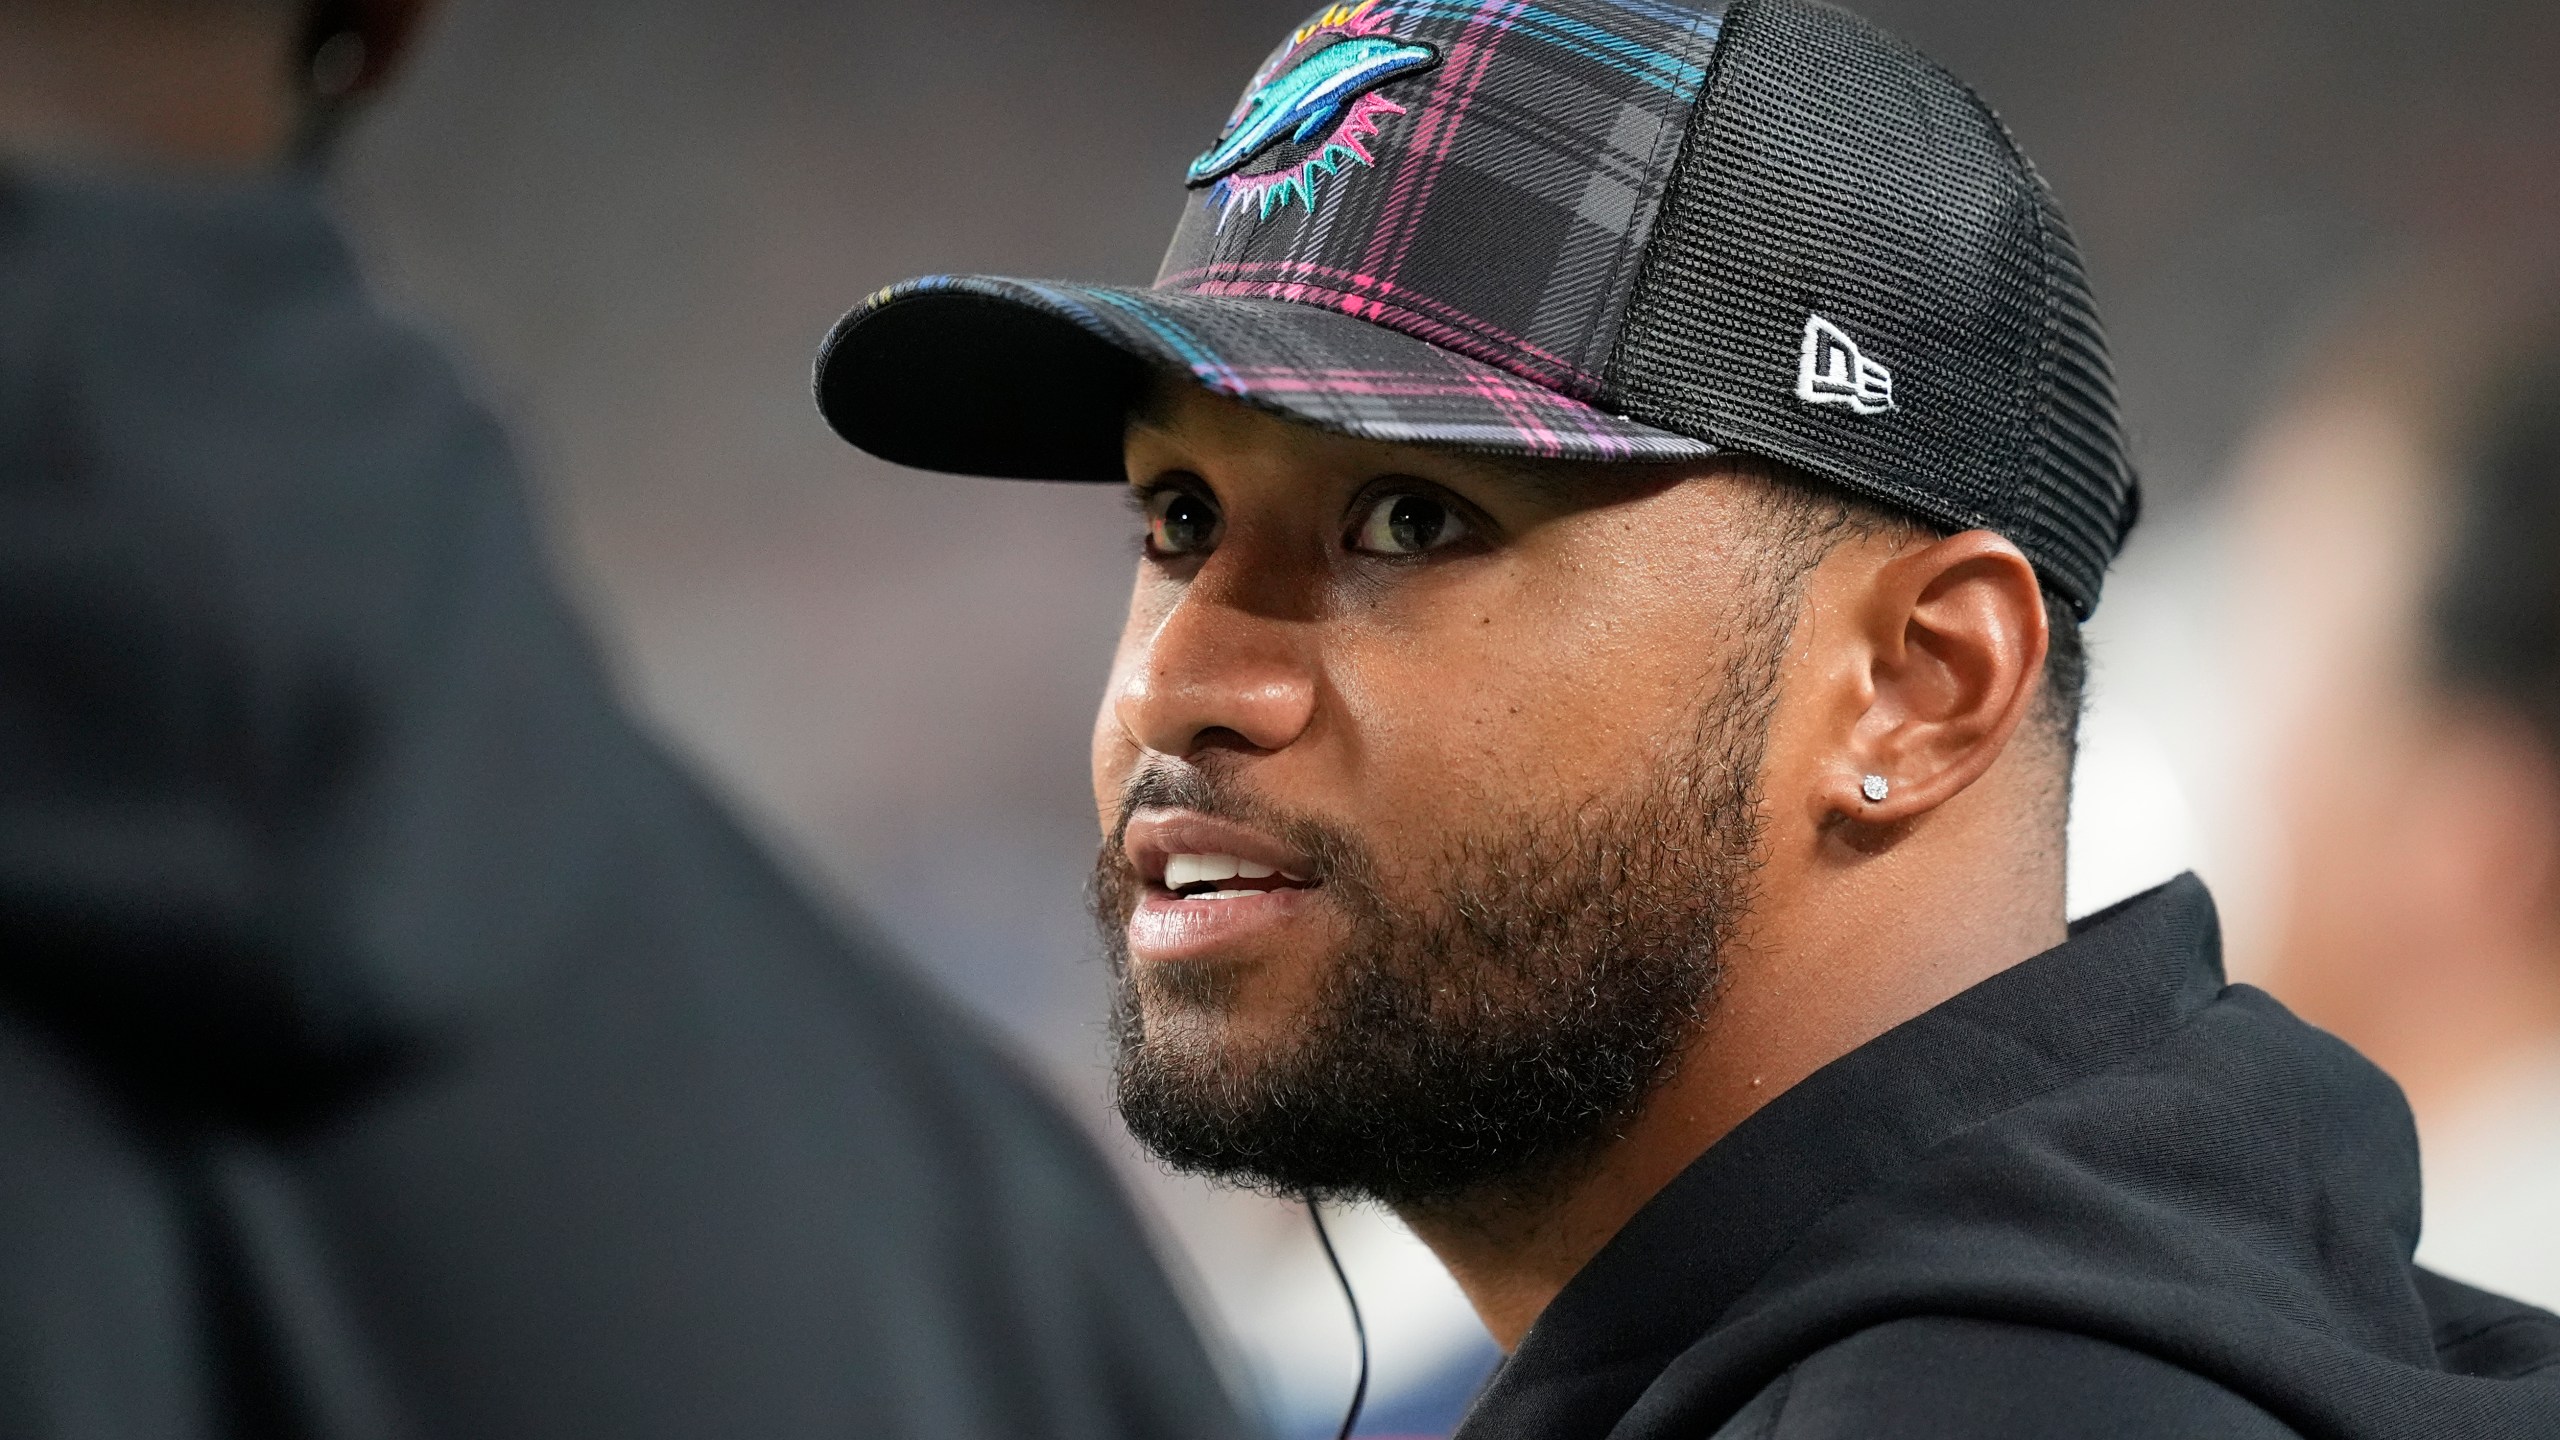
[[1327, 98], [1305, 98]]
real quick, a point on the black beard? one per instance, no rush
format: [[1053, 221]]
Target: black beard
[[1472, 1046]]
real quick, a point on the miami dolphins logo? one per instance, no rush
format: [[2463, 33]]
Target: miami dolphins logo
[[1316, 106]]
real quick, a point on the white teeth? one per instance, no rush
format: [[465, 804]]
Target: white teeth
[[1182, 870]]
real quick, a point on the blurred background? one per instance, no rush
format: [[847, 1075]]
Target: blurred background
[[637, 218]]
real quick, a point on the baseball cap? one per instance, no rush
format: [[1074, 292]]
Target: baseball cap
[[1611, 230]]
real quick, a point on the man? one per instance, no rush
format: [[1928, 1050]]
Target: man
[[393, 1042], [2413, 677], [1587, 763]]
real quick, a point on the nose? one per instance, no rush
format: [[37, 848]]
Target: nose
[[1217, 671]]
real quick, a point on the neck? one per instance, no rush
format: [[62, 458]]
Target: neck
[[202, 87], [1844, 944]]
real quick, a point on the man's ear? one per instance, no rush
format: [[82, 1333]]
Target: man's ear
[[1952, 637]]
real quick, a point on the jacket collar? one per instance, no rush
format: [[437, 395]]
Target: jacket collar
[[2121, 984]]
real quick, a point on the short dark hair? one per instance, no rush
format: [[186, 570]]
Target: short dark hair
[[2493, 619]]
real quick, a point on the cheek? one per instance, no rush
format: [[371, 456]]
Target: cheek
[[1533, 693], [1115, 754], [1113, 758]]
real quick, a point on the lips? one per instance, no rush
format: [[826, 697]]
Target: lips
[[1212, 885]]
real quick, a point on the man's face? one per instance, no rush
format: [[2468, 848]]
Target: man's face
[[1428, 793]]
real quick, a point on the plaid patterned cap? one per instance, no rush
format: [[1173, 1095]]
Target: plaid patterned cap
[[1613, 230]]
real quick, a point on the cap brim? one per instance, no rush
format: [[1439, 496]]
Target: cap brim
[[1027, 380]]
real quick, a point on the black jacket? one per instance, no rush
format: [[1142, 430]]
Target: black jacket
[[2103, 1194], [392, 1042]]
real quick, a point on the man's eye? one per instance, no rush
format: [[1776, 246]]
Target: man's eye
[[1401, 522], [1180, 523]]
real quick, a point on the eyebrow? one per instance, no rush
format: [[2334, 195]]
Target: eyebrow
[[1556, 484], [1571, 482], [1554, 481], [1154, 399]]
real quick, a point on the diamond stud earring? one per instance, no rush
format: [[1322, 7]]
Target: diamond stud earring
[[1876, 789]]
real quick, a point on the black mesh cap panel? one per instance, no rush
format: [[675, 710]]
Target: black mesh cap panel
[[1838, 192]]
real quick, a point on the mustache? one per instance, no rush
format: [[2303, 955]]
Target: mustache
[[1218, 790], [1169, 785]]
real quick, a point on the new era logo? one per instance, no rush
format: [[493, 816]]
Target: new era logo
[[1834, 373]]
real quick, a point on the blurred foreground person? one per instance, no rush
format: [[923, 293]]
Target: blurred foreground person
[[2403, 520], [1588, 761], [392, 1041]]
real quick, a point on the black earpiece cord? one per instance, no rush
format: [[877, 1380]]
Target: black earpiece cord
[[1359, 1328]]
